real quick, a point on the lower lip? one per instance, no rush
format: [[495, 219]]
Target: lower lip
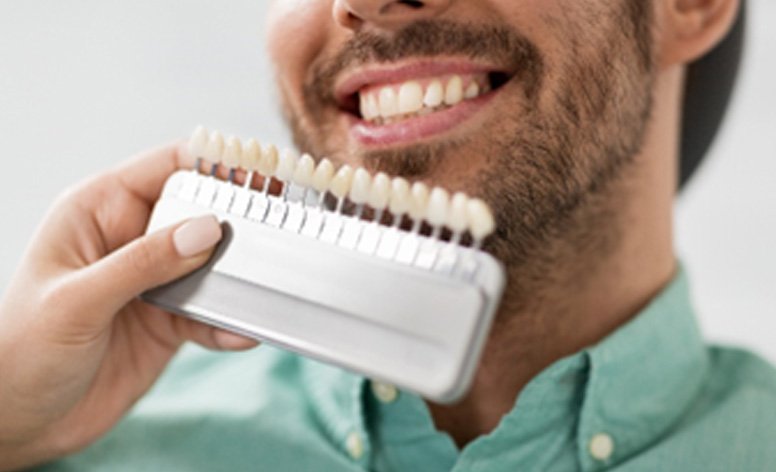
[[417, 128]]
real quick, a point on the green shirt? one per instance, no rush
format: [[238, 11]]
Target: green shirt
[[649, 397]]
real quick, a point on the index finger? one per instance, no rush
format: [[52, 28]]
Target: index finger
[[144, 175]]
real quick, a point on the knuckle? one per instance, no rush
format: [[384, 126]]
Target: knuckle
[[143, 258], [58, 295]]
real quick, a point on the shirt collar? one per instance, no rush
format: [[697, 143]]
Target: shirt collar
[[643, 376], [631, 387]]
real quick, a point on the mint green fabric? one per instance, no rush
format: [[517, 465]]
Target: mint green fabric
[[666, 401]]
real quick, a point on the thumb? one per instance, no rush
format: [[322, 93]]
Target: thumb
[[148, 262]]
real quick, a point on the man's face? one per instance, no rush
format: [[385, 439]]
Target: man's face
[[533, 105]]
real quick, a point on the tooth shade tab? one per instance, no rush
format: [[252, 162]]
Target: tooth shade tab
[[269, 161], [198, 142], [303, 174], [322, 176], [233, 152], [287, 165], [361, 186], [399, 203], [251, 155], [381, 191], [438, 206], [481, 221], [419, 194], [457, 217], [215, 147], [340, 183]]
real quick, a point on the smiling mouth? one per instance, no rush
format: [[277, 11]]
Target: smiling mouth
[[416, 101]]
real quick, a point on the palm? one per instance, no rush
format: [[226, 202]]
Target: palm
[[121, 363]]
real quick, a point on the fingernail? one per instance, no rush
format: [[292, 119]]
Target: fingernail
[[197, 235]]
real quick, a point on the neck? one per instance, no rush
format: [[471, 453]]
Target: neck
[[590, 287]]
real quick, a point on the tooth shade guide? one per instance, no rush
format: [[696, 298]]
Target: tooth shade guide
[[370, 203]]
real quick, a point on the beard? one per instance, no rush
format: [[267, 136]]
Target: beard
[[548, 169]]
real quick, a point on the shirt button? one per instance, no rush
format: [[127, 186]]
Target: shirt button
[[601, 446], [355, 445], [384, 392]]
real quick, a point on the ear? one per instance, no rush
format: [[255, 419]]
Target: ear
[[691, 28]]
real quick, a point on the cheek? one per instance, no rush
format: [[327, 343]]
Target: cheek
[[296, 30]]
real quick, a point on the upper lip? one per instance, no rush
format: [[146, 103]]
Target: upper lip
[[349, 83]]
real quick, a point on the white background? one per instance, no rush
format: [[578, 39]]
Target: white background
[[86, 83]]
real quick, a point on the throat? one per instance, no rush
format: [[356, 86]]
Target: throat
[[505, 369]]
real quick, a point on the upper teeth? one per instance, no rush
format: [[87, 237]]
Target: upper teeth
[[415, 97]]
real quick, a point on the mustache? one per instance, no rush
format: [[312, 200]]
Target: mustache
[[496, 44]]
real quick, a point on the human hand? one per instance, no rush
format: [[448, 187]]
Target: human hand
[[77, 348]]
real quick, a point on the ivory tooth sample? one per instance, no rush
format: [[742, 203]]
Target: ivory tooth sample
[[340, 184], [303, 174], [322, 176], [214, 151], [438, 208], [251, 156], [286, 168], [268, 165], [287, 165], [399, 202], [419, 194], [457, 217], [269, 160], [198, 142], [233, 152], [361, 186], [481, 221], [380, 192]]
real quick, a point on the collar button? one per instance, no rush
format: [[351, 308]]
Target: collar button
[[354, 445], [601, 447], [384, 392]]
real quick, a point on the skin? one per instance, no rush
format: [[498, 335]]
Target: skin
[[77, 348]]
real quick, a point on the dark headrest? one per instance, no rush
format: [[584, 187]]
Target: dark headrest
[[709, 87]]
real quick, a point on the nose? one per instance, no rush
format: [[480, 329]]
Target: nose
[[386, 14]]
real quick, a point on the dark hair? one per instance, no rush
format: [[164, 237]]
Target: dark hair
[[708, 90]]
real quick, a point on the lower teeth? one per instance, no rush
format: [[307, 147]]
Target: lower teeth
[[422, 112]]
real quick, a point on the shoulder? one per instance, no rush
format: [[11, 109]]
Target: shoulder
[[731, 424], [740, 393], [741, 390], [739, 369]]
